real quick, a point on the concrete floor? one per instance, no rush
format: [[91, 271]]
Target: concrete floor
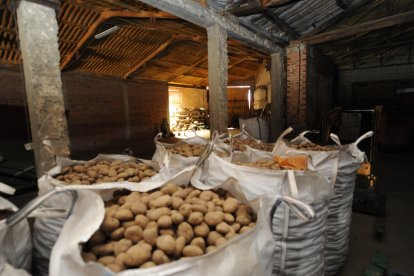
[[395, 176]]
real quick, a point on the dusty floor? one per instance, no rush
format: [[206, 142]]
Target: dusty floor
[[395, 177]]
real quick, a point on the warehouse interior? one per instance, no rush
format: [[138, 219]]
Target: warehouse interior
[[131, 69]]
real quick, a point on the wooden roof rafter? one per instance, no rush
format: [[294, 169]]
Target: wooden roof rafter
[[105, 15]]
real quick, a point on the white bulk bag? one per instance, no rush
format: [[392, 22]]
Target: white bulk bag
[[46, 230], [253, 249], [300, 244], [15, 241], [175, 162], [323, 162], [340, 209]]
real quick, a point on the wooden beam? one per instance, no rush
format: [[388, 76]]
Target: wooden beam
[[386, 22], [278, 3], [160, 48], [217, 78], [278, 94], [186, 69], [255, 7], [105, 15], [337, 18], [206, 17], [289, 31]]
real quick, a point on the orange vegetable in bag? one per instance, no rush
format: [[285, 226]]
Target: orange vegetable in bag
[[299, 162]]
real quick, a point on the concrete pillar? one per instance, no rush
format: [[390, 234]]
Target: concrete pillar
[[278, 98], [217, 77], [38, 34]]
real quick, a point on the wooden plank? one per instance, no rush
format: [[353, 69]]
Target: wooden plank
[[105, 15], [386, 22], [217, 78], [278, 92], [206, 17], [160, 48], [337, 18]]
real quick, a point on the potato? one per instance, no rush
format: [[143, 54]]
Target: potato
[[213, 218], [134, 233], [79, 169], [210, 206], [176, 217], [88, 257], [97, 238], [170, 232], [137, 255], [176, 202], [194, 193], [147, 264], [165, 222], [212, 237], [230, 234], [243, 209], [220, 241], [106, 260], [103, 249], [211, 248], [150, 235], [124, 214], [230, 205], [229, 218], [252, 224], [218, 209], [155, 214], [127, 224], [218, 201], [138, 207], [192, 250], [236, 227], [115, 267], [162, 201], [244, 219], [141, 221], [185, 230], [169, 188], [195, 218], [206, 195], [110, 224], [185, 210], [118, 234], [244, 229], [181, 193], [223, 228], [159, 257], [180, 242], [199, 242], [122, 246], [199, 208], [197, 201], [155, 195], [166, 243], [201, 230]]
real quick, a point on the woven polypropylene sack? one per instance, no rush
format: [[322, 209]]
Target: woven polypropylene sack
[[289, 232], [340, 208]]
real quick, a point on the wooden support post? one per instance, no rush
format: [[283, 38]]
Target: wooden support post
[[38, 33], [217, 77], [278, 104]]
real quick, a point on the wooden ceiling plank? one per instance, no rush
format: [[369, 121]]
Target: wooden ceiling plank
[[385, 22], [160, 48], [185, 69], [105, 15]]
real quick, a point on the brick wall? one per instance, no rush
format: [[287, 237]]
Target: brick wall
[[105, 115], [296, 85], [309, 86]]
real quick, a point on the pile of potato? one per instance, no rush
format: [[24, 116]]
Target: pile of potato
[[263, 163], [310, 146], [105, 171], [187, 150], [237, 145], [240, 145], [147, 229]]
